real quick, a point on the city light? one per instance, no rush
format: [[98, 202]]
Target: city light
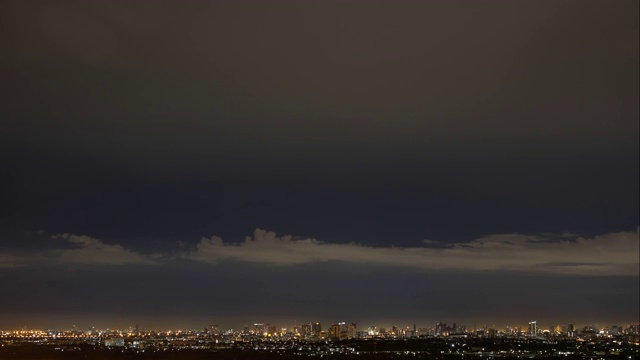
[[342, 338]]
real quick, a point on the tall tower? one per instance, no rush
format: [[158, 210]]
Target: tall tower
[[334, 332], [533, 328]]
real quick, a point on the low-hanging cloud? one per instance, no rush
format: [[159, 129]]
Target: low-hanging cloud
[[569, 254], [95, 252], [8, 261], [609, 254]]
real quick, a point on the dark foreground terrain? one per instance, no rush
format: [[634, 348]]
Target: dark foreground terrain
[[44, 352]]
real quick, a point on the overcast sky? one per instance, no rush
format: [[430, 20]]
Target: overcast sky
[[385, 162]]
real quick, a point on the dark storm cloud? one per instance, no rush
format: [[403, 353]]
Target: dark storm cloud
[[282, 74], [413, 113]]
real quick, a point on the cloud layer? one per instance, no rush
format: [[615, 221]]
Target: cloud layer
[[11, 261], [84, 250], [609, 254], [567, 254], [94, 252]]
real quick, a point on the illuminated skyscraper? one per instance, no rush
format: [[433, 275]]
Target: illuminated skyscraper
[[213, 330], [533, 328], [346, 331], [334, 332], [353, 330], [305, 330], [272, 329], [316, 328], [260, 328]]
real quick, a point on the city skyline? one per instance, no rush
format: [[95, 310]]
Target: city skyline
[[175, 163], [431, 329], [359, 330], [338, 341]]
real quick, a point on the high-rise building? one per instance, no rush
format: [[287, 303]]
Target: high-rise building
[[272, 330], [372, 331], [533, 328], [260, 328], [305, 330], [334, 332], [347, 331], [316, 328], [213, 330]]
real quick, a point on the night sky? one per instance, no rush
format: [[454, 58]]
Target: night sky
[[177, 164]]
